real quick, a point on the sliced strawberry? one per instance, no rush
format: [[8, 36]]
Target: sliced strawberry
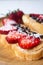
[[28, 42], [12, 15], [16, 16], [40, 17], [7, 21], [14, 36], [5, 29], [20, 13], [34, 15]]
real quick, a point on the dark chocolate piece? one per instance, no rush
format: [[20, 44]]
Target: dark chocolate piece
[[41, 36]]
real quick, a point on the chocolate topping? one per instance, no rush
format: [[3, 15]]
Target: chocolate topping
[[24, 29], [37, 17], [41, 36]]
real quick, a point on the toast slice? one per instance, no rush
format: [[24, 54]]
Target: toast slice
[[5, 48], [32, 24], [28, 54], [10, 51]]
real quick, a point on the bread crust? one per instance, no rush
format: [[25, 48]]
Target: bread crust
[[32, 24], [29, 54], [6, 48]]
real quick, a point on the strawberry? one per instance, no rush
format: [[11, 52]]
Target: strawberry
[[8, 21], [16, 16], [12, 16], [20, 13], [40, 17], [28, 42], [14, 36], [5, 29], [35, 15]]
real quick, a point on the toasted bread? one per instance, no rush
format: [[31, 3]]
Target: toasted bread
[[11, 50], [5, 48], [32, 24], [28, 54]]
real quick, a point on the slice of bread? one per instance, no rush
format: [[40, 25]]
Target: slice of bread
[[5, 48], [28, 54], [10, 51], [32, 24]]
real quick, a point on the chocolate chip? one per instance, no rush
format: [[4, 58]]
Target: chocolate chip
[[41, 36], [14, 24], [34, 32]]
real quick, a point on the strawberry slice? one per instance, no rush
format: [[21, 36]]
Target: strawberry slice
[[40, 17], [34, 16], [20, 13], [14, 36], [16, 16], [5, 29], [7, 21], [28, 42]]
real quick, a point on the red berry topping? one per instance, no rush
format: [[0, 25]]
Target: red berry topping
[[6, 21], [13, 37], [28, 42], [34, 15], [5, 29], [20, 13], [13, 16], [40, 17], [16, 16]]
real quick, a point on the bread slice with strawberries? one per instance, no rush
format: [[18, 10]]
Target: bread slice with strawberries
[[18, 41], [21, 46], [33, 24], [6, 48], [25, 50], [28, 54]]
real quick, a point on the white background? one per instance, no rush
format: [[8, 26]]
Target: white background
[[28, 6]]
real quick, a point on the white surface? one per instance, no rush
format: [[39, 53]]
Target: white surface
[[28, 6]]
